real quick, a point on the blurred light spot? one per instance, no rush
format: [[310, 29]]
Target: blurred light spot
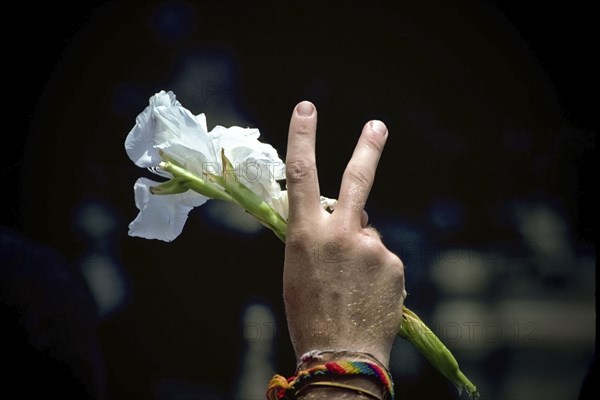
[[546, 234], [461, 271], [531, 380], [447, 214], [548, 324], [468, 325], [105, 281], [259, 333], [206, 81], [542, 225], [409, 244], [95, 220]]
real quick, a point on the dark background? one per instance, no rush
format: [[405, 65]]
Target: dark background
[[489, 106]]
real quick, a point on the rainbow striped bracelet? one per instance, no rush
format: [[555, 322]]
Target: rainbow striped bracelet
[[279, 387]]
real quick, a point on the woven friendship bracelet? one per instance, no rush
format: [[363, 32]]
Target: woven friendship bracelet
[[282, 388]]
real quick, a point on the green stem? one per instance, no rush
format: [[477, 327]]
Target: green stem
[[257, 207], [196, 183], [248, 199]]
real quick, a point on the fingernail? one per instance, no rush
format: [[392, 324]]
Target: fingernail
[[305, 109], [378, 127]]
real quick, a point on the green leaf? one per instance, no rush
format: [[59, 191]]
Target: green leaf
[[413, 329], [173, 186]]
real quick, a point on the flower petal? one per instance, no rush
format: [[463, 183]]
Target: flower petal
[[184, 138], [139, 143], [242, 144], [166, 125], [161, 217], [328, 204], [280, 204], [257, 164]]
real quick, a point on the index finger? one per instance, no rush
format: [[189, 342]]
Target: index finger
[[301, 168]]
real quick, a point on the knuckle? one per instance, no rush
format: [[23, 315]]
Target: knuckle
[[397, 268], [343, 231], [298, 237], [358, 175], [298, 170], [374, 140], [371, 247], [396, 262], [337, 238]]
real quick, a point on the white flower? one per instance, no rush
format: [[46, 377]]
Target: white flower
[[165, 125], [166, 131], [161, 216], [256, 164], [281, 205]]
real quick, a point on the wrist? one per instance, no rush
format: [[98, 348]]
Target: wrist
[[315, 357], [341, 388], [334, 374], [372, 387]]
